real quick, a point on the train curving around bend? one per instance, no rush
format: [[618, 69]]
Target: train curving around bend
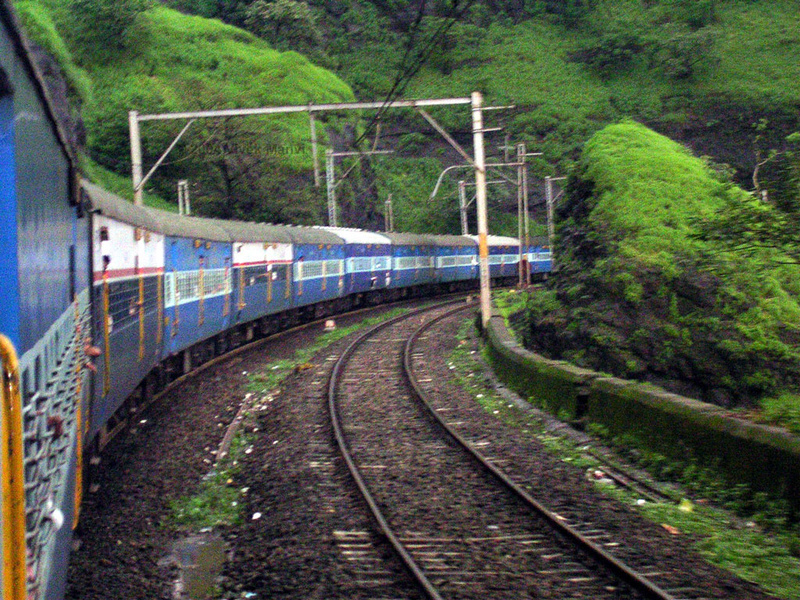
[[103, 303]]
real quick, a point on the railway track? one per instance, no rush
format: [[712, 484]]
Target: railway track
[[304, 533], [458, 532]]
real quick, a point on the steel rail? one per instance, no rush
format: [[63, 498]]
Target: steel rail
[[386, 529], [632, 577]]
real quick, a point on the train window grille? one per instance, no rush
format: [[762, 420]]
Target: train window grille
[[446, 261], [405, 262], [216, 282], [169, 289], [361, 264], [123, 299], [187, 286], [424, 262], [381, 263], [334, 267], [255, 275], [308, 270], [51, 380]]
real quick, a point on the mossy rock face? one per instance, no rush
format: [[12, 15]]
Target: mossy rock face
[[639, 295]]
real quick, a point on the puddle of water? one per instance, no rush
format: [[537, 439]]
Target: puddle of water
[[200, 559]]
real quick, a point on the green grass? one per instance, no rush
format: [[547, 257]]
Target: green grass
[[216, 503], [639, 201], [175, 62], [121, 185], [783, 411], [39, 25]]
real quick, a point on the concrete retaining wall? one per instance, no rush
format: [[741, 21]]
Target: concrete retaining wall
[[765, 458]]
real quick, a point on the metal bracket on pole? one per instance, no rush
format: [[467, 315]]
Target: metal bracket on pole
[[446, 136], [134, 118], [136, 155]]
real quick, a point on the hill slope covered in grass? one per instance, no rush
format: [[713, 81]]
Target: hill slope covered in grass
[[638, 294], [168, 62]]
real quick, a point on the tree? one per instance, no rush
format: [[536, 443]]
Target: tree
[[749, 225], [284, 23], [103, 24]]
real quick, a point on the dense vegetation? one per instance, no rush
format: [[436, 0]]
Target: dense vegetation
[[719, 75], [643, 293], [653, 241], [159, 60], [706, 72]]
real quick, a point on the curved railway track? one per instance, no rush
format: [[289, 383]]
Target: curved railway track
[[458, 532], [304, 532]]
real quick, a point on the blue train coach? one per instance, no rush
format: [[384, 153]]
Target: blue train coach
[[44, 322]]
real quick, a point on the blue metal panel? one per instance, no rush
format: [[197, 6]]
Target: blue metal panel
[[311, 291], [45, 220], [403, 277], [126, 368], [195, 321], [264, 291], [458, 272], [9, 294], [375, 279]]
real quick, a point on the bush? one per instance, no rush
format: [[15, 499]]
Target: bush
[[116, 16]]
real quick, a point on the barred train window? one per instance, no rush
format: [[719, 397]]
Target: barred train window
[[381, 263], [333, 267]]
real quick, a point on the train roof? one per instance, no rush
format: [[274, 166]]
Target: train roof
[[154, 219], [313, 235], [218, 230], [453, 240], [410, 239], [357, 236], [497, 240], [248, 231]]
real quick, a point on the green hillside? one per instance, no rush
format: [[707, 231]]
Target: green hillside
[[703, 72], [169, 62], [640, 295]]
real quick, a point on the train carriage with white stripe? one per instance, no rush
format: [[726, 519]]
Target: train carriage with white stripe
[[368, 260]]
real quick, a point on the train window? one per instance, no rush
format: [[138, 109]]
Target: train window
[[72, 272], [137, 233], [104, 234], [37, 373], [26, 385]]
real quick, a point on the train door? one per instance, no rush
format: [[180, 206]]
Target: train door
[[9, 304]]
